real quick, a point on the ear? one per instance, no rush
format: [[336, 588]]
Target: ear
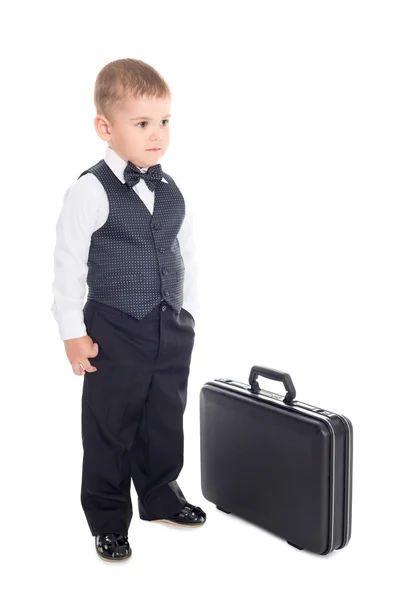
[[102, 127]]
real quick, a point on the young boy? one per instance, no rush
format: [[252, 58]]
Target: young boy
[[126, 230]]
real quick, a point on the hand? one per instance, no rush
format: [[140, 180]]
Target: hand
[[78, 351]]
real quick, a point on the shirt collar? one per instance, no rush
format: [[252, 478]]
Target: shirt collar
[[117, 164]]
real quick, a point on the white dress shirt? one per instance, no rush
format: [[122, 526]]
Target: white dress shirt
[[85, 208]]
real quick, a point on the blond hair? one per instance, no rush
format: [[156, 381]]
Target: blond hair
[[123, 78]]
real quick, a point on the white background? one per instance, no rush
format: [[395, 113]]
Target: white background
[[285, 136]]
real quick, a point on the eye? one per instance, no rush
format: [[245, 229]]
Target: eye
[[141, 123]]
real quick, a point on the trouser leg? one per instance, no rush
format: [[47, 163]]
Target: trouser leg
[[157, 454], [112, 409]]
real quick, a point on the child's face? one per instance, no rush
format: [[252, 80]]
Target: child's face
[[139, 125]]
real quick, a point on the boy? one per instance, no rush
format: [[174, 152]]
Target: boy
[[125, 229]]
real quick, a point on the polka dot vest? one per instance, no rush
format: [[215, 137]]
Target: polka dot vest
[[134, 260]]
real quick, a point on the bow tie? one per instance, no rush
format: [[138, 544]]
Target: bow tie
[[152, 176]]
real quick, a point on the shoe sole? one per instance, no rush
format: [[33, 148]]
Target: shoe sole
[[114, 559], [176, 524]]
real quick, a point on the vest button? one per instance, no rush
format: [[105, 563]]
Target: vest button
[[163, 307], [157, 225], [165, 271], [166, 293]]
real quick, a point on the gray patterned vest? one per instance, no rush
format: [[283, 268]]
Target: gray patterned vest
[[134, 260]]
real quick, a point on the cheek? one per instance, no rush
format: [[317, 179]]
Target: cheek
[[128, 135], [119, 134]]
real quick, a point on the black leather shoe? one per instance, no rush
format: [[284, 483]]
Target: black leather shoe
[[188, 516], [113, 546]]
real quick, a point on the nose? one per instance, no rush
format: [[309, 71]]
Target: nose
[[156, 135]]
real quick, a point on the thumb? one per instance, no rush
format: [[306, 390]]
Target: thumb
[[95, 350]]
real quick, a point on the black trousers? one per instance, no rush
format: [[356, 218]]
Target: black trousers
[[132, 414]]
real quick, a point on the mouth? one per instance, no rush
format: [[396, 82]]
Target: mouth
[[153, 149]]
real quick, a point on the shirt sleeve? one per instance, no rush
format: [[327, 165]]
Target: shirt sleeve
[[187, 243], [75, 225]]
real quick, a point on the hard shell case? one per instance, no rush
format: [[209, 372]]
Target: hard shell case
[[276, 462]]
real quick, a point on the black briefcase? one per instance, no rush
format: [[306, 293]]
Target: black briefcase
[[276, 462]]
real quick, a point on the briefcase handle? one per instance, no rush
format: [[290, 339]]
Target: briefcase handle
[[285, 378]]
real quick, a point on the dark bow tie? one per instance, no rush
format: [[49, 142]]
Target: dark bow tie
[[152, 176]]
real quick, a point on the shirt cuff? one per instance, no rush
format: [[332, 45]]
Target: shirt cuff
[[71, 325]]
